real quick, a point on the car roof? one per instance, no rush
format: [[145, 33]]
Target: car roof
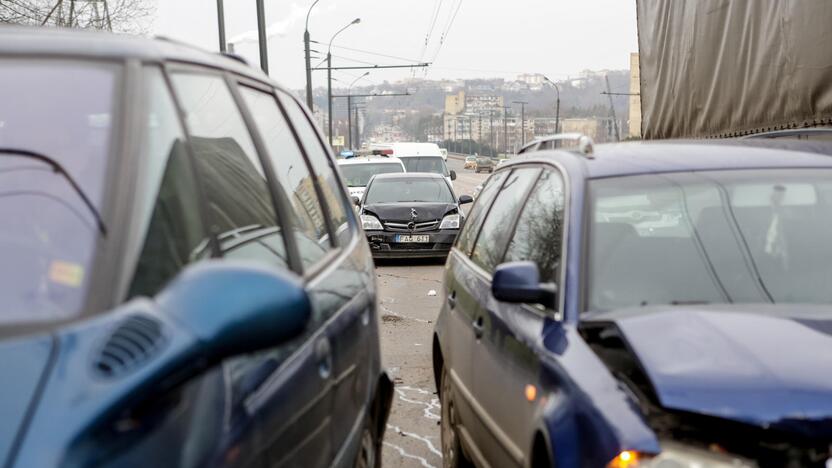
[[50, 42], [369, 159], [409, 175], [631, 158]]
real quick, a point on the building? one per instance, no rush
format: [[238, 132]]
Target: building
[[635, 98], [455, 103]]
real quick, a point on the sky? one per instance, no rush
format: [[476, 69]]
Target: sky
[[468, 39]]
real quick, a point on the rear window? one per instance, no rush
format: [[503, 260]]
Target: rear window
[[431, 164], [357, 175], [64, 111]]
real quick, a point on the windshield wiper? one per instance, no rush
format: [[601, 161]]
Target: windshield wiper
[[57, 167]]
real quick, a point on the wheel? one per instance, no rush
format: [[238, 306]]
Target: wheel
[[369, 453], [452, 455]]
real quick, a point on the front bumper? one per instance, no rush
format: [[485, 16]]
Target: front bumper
[[383, 244]]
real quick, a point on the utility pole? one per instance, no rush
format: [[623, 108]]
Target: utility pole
[[349, 120], [307, 50], [522, 122], [505, 129], [357, 129], [349, 97], [329, 76], [612, 110], [261, 36], [221, 24], [491, 131]]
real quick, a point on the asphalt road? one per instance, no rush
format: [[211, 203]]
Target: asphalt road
[[408, 313]]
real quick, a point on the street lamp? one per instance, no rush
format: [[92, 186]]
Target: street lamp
[[557, 105], [349, 109], [329, 76], [308, 58]]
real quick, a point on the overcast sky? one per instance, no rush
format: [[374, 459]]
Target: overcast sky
[[487, 38]]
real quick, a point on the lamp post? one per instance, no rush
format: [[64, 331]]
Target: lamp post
[[522, 121], [557, 104], [329, 76], [261, 36], [221, 24], [349, 109], [308, 57]]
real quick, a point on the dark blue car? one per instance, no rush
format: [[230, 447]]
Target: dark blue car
[[658, 304], [183, 281]]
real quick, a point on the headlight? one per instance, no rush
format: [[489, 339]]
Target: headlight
[[677, 455], [371, 223], [450, 222]]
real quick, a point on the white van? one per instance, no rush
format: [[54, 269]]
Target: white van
[[419, 157]]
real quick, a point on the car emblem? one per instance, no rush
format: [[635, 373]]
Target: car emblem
[[411, 225]]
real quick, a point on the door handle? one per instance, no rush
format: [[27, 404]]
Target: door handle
[[323, 356], [479, 327], [452, 299]]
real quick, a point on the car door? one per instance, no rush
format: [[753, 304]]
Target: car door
[[491, 438], [343, 290], [281, 396], [509, 373], [456, 333]]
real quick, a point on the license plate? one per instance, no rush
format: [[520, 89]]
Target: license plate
[[407, 239]]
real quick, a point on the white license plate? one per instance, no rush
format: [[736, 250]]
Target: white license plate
[[403, 239]]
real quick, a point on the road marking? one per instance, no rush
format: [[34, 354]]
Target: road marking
[[432, 405], [404, 454], [423, 439]]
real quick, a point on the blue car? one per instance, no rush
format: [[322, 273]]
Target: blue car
[[645, 304], [183, 281]]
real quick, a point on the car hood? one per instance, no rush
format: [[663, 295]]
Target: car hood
[[765, 365], [23, 363], [401, 212]]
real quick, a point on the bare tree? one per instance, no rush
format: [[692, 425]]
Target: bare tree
[[127, 16]]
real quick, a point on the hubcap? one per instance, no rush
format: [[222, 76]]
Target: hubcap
[[367, 456]]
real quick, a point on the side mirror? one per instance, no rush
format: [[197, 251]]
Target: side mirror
[[356, 201], [236, 308], [453, 175], [519, 282], [464, 199]]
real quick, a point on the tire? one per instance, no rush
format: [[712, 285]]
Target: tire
[[369, 452], [452, 454]]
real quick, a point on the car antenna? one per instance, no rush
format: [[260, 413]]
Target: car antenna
[[57, 167]]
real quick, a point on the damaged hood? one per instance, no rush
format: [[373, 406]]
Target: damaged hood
[[765, 365], [401, 212]]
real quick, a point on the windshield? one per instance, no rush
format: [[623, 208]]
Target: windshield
[[409, 190], [357, 175], [49, 237], [432, 164], [740, 236]]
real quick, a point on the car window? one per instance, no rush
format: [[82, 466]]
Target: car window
[[740, 236], [538, 235], [292, 173], [471, 226], [495, 231], [401, 190], [432, 164], [357, 175], [333, 193], [64, 111], [171, 223], [240, 206]]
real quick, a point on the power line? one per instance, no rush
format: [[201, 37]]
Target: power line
[[352, 49]]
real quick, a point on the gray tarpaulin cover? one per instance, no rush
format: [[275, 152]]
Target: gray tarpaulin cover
[[716, 68]]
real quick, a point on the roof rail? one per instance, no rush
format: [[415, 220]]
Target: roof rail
[[236, 57], [584, 143], [793, 133]]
